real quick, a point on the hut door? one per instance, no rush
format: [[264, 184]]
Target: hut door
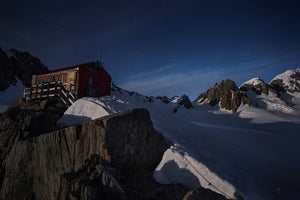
[[71, 81]]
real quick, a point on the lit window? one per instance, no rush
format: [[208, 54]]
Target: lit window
[[90, 80]]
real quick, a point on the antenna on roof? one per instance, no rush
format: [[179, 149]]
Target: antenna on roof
[[101, 56]]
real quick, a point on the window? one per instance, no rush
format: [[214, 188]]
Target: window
[[90, 80]]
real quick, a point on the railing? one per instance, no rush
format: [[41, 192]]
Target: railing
[[52, 89]]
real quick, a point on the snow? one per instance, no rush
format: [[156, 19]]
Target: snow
[[254, 152], [83, 110], [271, 109], [253, 81], [286, 78], [10, 95]]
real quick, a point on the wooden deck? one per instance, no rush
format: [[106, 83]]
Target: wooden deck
[[52, 89]]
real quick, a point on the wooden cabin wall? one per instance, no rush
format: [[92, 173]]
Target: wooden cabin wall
[[101, 80], [105, 82], [86, 71]]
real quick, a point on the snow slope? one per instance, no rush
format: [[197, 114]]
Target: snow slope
[[10, 95], [253, 152], [253, 81]]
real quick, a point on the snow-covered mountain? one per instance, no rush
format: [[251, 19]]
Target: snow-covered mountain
[[16, 70], [252, 152], [287, 81]]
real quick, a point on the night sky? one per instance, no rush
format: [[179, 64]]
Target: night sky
[[166, 47]]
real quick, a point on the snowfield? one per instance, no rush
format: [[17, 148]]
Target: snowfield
[[253, 153]]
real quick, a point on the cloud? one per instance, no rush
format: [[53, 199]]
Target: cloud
[[192, 80], [163, 81]]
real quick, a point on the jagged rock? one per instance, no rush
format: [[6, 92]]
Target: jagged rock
[[182, 101], [226, 94], [257, 85], [164, 99], [25, 65], [203, 194], [33, 166], [185, 101], [19, 65]]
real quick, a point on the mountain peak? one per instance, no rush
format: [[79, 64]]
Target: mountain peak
[[287, 81], [226, 94], [17, 64], [257, 85]]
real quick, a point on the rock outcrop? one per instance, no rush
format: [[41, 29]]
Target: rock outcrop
[[164, 99], [42, 166], [182, 101], [185, 101], [94, 180], [226, 94], [16, 64]]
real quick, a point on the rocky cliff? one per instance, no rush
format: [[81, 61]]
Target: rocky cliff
[[16, 64]]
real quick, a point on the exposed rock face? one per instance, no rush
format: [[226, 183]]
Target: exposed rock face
[[164, 99], [226, 94], [257, 85], [185, 101], [94, 180], [203, 194], [19, 64], [35, 167], [182, 101], [21, 122]]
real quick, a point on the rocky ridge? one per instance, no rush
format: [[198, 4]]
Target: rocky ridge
[[16, 64], [230, 97]]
